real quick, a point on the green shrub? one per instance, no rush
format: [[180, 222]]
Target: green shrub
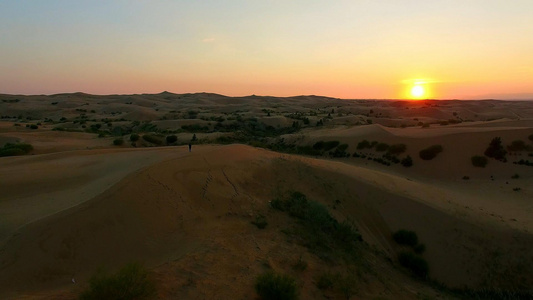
[[430, 152], [518, 145], [171, 139], [130, 282], [415, 263], [396, 149], [515, 176], [318, 145], [260, 221], [330, 145], [363, 145], [420, 248], [152, 139], [479, 161], [272, 286], [325, 281], [134, 137], [407, 161], [495, 149], [382, 147], [10, 149], [33, 126], [405, 237], [118, 142]]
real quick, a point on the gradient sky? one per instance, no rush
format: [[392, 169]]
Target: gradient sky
[[349, 49]]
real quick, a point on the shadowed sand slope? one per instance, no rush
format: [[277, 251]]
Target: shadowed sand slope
[[188, 218]]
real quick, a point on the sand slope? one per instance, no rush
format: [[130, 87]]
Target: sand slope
[[188, 219]]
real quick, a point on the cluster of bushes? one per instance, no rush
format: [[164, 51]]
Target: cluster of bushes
[[195, 128], [321, 231], [272, 286], [325, 146], [496, 150], [408, 259], [130, 282], [10, 149], [407, 161], [153, 139], [430, 152], [479, 161], [519, 145], [340, 151], [524, 162]]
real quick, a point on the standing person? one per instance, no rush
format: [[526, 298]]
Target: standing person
[[190, 146]]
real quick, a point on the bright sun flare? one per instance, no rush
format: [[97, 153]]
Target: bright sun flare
[[417, 91]]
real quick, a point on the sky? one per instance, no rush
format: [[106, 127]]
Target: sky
[[378, 49]]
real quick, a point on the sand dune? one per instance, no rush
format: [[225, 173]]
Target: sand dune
[[191, 213]]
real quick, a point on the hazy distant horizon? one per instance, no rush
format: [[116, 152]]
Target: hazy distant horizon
[[503, 97]]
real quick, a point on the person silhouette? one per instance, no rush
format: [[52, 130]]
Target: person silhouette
[[190, 146]]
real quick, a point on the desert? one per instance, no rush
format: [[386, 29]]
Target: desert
[[318, 189]]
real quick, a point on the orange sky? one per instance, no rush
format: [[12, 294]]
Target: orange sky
[[347, 49]]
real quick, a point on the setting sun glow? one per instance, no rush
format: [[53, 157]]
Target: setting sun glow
[[417, 91]]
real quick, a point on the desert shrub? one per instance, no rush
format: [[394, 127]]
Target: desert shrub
[[415, 263], [495, 149], [195, 128], [419, 249], [272, 286], [530, 137], [318, 145], [300, 265], [405, 237], [171, 139], [118, 142], [330, 145], [407, 161], [396, 149], [260, 221], [10, 149], [363, 145], [320, 232], [152, 139], [430, 152], [518, 145], [130, 282], [515, 176], [134, 137], [340, 151], [33, 126], [479, 161], [325, 281], [425, 125], [382, 147], [466, 177]]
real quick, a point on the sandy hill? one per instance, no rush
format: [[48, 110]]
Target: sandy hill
[[188, 216]]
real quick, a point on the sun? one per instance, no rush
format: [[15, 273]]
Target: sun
[[417, 91]]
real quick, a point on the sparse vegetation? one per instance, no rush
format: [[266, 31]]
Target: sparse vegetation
[[430, 152], [134, 137], [495, 149], [518, 145], [260, 221], [10, 149], [118, 142], [153, 139], [405, 237], [396, 149], [415, 263], [407, 161], [479, 161], [130, 282], [272, 286], [171, 139]]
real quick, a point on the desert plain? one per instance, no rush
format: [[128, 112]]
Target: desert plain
[[109, 180]]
